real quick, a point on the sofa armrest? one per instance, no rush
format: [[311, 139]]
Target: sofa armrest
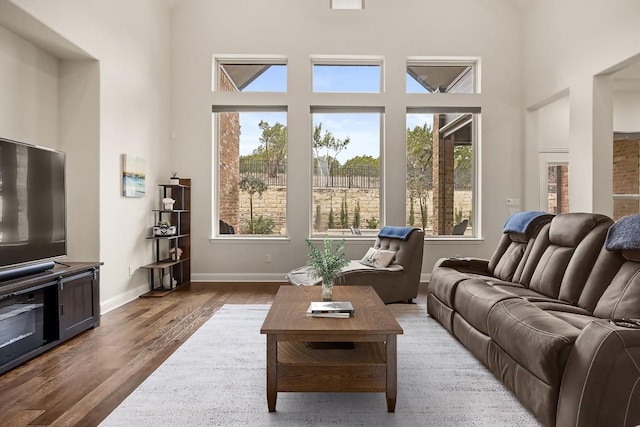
[[601, 382], [465, 265]]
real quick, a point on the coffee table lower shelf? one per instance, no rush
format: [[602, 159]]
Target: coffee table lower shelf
[[329, 367]]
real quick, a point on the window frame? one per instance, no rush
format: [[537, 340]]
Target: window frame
[[390, 105]]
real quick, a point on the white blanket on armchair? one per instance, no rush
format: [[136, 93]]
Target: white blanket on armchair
[[302, 275]]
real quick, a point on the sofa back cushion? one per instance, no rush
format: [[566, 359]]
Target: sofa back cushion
[[508, 259], [564, 253], [602, 274], [621, 299]]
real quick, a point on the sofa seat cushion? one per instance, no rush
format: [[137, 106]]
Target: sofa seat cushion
[[522, 292], [443, 283], [580, 321], [497, 282], [562, 307], [473, 301], [537, 340]]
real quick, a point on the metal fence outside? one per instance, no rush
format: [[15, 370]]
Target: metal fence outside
[[342, 176]]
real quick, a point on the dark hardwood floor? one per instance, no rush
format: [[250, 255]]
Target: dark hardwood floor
[[81, 381]]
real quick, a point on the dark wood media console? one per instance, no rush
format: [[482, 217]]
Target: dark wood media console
[[40, 311]]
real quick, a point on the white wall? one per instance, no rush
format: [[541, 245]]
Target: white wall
[[572, 46], [297, 29], [29, 88], [553, 126], [626, 110], [131, 42]]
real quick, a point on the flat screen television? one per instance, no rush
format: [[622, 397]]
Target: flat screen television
[[32, 207]]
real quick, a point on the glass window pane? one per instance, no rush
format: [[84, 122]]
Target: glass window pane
[[440, 79], [252, 173], [346, 78], [346, 173], [626, 175], [558, 188], [252, 77], [440, 184]]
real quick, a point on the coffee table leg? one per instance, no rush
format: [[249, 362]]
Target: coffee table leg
[[272, 373], [392, 373]]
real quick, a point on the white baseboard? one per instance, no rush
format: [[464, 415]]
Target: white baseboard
[[254, 277], [238, 277], [122, 299]]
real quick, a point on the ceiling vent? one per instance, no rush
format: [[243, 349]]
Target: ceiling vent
[[347, 4]]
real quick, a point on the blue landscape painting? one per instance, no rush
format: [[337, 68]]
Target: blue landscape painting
[[133, 183]]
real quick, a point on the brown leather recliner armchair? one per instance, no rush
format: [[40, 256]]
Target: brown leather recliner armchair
[[393, 286], [397, 283]]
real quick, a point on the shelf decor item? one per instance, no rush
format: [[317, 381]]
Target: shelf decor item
[[167, 203], [326, 264], [164, 229], [174, 180]]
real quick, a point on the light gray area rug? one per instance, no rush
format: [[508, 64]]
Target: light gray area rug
[[217, 378]]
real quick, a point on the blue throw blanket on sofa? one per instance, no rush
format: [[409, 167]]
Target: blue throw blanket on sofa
[[394, 232], [519, 221], [624, 234]]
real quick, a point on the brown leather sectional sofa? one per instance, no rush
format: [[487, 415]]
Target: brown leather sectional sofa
[[539, 315]]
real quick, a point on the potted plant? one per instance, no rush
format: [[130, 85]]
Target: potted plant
[[326, 264]]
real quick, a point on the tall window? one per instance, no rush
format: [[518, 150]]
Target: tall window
[[441, 149], [346, 172], [440, 172], [252, 172], [251, 152]]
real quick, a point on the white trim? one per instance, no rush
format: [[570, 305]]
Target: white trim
[[346, 60], [553, 151], [123, 298], [259, 59], [626, 196]]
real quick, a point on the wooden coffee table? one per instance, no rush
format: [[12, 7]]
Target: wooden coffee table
[[313, 354]]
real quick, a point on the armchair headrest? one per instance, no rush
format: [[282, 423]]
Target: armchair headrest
[[394, 232]]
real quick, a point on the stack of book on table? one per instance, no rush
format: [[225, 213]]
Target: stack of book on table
[[341, 309]]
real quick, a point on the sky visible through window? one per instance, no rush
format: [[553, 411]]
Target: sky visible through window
[[363, 129]]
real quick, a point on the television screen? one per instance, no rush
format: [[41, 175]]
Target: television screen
[[32, 204]]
